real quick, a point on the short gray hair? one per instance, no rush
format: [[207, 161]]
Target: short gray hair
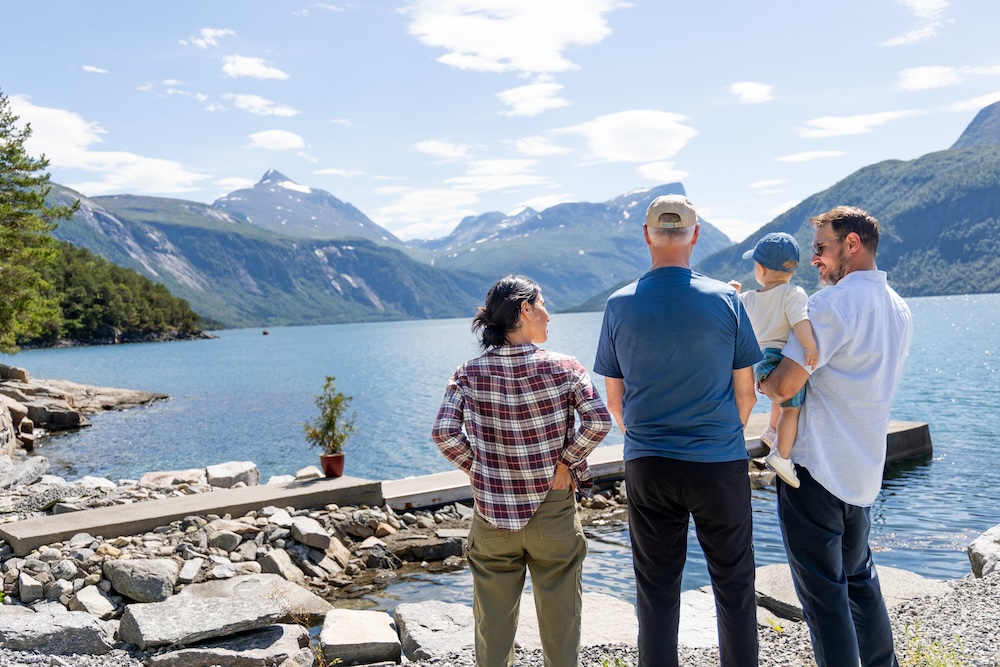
[[669, 236]]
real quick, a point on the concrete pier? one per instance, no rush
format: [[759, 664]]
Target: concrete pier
[[905, 440]]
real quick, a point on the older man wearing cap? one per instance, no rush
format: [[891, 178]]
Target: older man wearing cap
[[676, 350]]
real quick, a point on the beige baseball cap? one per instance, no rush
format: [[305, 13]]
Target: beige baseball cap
[[671, 212]]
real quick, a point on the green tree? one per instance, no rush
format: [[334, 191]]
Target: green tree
[[27, 304]]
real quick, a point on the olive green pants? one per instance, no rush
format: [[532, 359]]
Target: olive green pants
[[552, 547]]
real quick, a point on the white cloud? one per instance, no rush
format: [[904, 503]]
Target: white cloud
[[534, 99], [749, 92], [333, 171], [767, 184], [328, 6], [172, 83], [509, 35], [426, 213], [66, 140], [924, 78], [276, 140], [346, 122], [634, 136], [200, 97], [491, 175], [925, 9], [93, 70], [443, 149], [992, 70], [735, 227], [259, 106], [538, 147], [233, 183], [809, 156], [662, 172], [236, 66], [839, 126], [976, 103], [929, 14], [207, 37]]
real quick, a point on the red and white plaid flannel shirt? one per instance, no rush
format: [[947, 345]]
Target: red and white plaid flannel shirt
[[516, 404]]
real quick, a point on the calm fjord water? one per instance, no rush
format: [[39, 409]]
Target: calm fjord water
[[244, 396]]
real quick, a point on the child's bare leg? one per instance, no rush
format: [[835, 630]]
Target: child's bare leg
[[788, 424], [773, 418]]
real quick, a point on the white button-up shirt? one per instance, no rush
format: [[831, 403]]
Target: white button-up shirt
[[863, 331]]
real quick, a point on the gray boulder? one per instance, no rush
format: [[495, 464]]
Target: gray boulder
[[185, 620], [310, 532], [22, 473], [229, 474], [31, 590], [359, 636], [430, 549], [273, 645], [277, 561], [433, 629], [143, 580], [984, 552], [63, 633], [92, 600]]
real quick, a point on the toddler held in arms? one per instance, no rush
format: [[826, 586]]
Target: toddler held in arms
[[777, 309]]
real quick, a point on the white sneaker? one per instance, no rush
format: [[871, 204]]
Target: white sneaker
[[769, 436], [783, 467]]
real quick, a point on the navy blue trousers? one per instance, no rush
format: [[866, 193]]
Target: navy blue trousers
[[662, 494], [826, 541]]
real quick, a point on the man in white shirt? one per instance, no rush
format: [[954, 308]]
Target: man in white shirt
[[863, 330]]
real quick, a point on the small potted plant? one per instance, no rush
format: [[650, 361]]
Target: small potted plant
[[331, 428]]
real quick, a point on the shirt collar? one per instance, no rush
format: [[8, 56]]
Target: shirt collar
[[514, 350]]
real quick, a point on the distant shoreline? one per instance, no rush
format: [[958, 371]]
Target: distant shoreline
[[123, 339]]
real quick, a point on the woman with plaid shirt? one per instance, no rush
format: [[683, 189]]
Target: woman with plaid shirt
[[508, 421]]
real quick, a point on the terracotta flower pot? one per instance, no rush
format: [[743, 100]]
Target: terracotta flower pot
[[332, 464]]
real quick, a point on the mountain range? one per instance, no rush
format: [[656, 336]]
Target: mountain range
[[284, 253]]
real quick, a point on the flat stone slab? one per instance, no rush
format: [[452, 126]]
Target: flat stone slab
[[181, 621], [605, 620], [776, 593], [138, 518], [62, 633], [433, 629], [360, 637], [263, 648], [300, 601]]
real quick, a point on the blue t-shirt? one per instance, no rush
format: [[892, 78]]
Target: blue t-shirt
[[676, 336]]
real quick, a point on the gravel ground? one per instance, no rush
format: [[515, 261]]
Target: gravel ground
[[959, 629]]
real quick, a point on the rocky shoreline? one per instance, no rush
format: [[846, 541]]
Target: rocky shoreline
[[29, 408]]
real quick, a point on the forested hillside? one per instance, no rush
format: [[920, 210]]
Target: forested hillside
[[940, 219], [100, 302]]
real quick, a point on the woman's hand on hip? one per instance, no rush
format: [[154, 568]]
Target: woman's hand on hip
[[563, 479]]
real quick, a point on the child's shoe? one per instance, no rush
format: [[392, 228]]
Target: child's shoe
[[784, 468], [769, 436]]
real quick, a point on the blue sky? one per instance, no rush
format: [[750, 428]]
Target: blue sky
[[422, 112]]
